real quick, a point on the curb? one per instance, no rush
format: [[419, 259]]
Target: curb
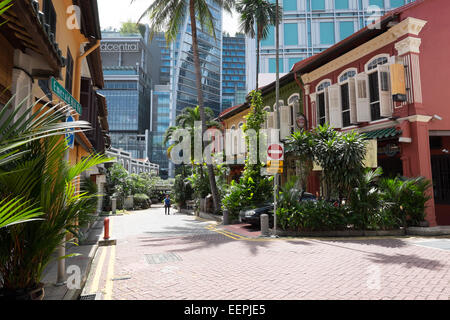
[[428, 231], [74, 294], [343, 234]]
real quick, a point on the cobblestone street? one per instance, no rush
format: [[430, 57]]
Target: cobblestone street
[[180, 257]]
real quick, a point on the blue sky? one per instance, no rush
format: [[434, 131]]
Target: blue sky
[[114, 12]]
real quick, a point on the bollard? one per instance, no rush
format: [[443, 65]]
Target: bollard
[[226, 220], [264, 225], [113, 205], [106, 224]]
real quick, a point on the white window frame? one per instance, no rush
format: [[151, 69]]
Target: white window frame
[[348, 82], [371, 71], [324, 84], [294, 106]]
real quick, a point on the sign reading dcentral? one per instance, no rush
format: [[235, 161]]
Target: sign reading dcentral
[[65, 96]]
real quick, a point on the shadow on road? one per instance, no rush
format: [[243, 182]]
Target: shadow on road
[[409, 261], [194, 237]]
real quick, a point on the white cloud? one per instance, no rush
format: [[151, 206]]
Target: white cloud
[[114, 12]]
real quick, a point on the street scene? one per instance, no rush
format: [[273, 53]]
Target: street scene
[[222, 151], [179, 257]]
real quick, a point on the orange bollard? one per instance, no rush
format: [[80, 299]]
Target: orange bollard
[[106, 224]]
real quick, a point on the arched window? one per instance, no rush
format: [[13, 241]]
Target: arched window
[[379, 60], [323, 85], [346, 88], [347, 75], [379, 86], [294, 109], [322, 102]]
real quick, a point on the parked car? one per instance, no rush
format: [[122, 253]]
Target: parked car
[[253, 216]]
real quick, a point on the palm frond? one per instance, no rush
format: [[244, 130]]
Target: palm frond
[[16, 211]]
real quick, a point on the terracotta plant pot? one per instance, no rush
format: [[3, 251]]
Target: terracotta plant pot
[[25, 294]]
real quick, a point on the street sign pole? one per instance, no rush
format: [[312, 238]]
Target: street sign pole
[[277, 96]]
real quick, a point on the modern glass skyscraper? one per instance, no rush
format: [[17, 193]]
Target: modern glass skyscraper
[[126, 62], [160, 122], [234, 85], [311, 26], [210, 48], [162, 72]]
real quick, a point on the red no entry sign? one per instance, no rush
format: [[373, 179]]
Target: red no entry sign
[[275, 151]]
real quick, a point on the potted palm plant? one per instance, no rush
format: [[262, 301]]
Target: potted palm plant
[[32, 171]]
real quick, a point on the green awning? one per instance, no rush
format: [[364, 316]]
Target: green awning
[[385, 133]]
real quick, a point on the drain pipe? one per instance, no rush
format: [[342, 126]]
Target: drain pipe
[[77, 73]]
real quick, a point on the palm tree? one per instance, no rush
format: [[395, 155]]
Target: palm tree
[[168, 16], [36, 183], [261, 13], [37, 122]]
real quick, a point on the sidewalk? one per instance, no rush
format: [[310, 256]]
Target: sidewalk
[[87, 250]]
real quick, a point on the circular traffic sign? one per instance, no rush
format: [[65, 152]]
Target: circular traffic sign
[[70, 136], [275, 151]]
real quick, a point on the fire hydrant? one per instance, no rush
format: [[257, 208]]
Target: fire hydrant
[[106, 225]]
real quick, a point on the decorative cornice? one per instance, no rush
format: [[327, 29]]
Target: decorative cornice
[[408, 26], [417, 118], [408, 45]]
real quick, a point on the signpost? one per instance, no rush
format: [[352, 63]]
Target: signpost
[[275, 161], [275, 152], [65, 96]]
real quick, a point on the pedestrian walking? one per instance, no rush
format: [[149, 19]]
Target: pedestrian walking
[[167, 205]]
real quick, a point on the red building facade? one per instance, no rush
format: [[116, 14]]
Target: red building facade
[[390, 81]]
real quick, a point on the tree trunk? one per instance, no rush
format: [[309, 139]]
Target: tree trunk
[[212, 178], [258, 39]]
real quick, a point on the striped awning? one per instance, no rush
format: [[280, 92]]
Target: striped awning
[[385, 133]]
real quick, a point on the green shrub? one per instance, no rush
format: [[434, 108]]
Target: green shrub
[[313, 216], [251, 191], [182, 190], [405, 199], [142, 201]]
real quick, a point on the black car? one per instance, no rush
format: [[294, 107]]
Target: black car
[[253, 216]]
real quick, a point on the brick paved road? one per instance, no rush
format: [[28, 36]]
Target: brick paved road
[[191, 261]]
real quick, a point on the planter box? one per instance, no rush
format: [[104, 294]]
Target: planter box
[[339, 233], [429, 231], [210, 216]]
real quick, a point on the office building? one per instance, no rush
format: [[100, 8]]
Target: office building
[[184, 87], [311, 26], [127, 72], [234, 88]]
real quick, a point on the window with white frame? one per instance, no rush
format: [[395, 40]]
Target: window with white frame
[[379, 87], [348, 97], [293, 103], [322, 102]]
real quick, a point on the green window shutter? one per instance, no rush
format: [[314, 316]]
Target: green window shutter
[[378, 3], [341, 4], [290, 34], [318, 5], [397, 3], [327, 33], [347, 28], [273, 65], [289, 5], [269, 41]]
